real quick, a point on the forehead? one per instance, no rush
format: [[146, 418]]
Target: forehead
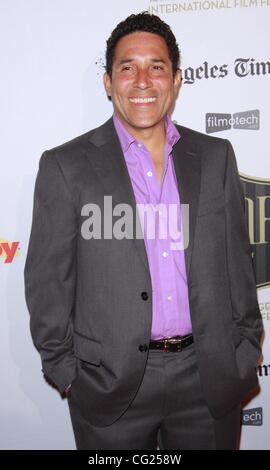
[[141, 45]]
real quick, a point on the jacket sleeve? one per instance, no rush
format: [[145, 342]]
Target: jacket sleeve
[[50, 272], [246, 313]]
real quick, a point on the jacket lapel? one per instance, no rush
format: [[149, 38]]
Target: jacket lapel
[[187, 165]]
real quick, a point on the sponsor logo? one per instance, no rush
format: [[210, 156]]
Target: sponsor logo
[[247, 67], [257, 201], [8, 250], [242, 68], [248, 120], [265, 310], [252, 417], [160, 7], [205, 71], [263, 370]]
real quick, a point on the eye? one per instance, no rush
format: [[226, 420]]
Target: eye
[[127, 68], [158, 69]]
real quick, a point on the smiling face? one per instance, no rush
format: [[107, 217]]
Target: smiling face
[[142, 87]]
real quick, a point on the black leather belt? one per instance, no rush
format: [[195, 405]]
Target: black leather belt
[[174, 343]]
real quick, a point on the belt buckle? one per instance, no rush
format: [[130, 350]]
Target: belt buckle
[[177, 341]]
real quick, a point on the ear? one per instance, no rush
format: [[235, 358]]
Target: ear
[[177, 80], [107, 83]]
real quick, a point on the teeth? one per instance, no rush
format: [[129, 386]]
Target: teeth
[[142, 100]]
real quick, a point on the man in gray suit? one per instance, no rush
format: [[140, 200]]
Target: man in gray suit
[[154, 339]]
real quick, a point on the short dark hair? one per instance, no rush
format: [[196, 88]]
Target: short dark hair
[[142, 22]]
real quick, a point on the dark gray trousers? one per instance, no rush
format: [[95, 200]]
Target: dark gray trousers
[[168, 411]]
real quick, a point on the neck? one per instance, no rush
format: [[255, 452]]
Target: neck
[[152, 137]]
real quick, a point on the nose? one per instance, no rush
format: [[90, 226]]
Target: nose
[[142, 79]]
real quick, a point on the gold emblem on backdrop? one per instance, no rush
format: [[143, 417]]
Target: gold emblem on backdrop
[[257, 209]]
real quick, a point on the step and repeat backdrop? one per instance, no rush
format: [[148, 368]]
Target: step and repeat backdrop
[[52, 59]]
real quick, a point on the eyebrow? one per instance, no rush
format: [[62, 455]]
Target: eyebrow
[[125, 61]]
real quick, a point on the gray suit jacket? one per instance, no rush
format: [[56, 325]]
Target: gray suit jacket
[[89, 319]]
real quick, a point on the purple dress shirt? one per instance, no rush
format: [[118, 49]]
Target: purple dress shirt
[[171, 312]]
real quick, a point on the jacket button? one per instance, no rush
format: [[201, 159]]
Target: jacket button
[[144, 295], [143, 347]]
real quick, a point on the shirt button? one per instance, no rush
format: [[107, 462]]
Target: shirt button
[[149, 173], [169, 297], [165, 254], [139, 145]]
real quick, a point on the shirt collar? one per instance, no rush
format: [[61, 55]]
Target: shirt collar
[[126, 139]]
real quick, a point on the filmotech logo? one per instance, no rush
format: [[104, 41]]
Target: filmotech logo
[[252, 417], [247, 120]]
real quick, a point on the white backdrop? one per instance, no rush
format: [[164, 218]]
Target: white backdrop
[[51, 90]]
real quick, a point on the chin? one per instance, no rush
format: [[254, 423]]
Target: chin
[[143, 123]]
